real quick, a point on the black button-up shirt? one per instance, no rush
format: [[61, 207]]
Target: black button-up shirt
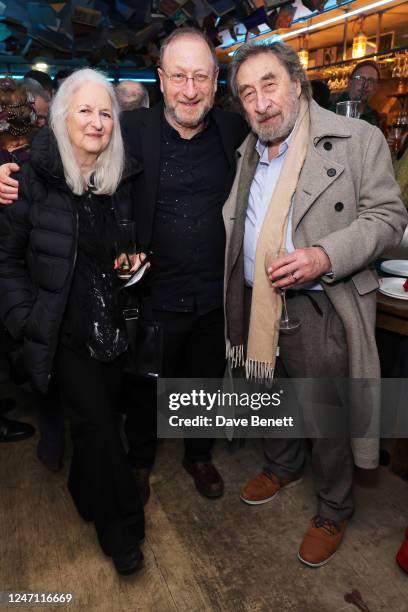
[[188, 233]]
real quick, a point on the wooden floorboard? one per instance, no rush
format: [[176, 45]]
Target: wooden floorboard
[[215, 555]]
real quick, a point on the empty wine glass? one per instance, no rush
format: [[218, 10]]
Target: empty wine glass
[[286, 324], [349, 108]]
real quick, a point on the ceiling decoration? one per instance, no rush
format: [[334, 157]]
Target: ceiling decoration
[[129, 32]]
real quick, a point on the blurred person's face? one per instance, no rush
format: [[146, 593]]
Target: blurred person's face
[[187, 103], [89, 120], [42, 108], [363, 83], [129, 94], [269, 97]]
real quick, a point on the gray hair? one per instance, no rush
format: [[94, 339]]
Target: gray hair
[[284, 53], [187, 31], [34, 88], [139, 99], [110, 163]]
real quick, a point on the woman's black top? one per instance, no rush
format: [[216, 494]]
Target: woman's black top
[[93, 324]]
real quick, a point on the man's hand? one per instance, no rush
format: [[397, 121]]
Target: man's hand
[[8, 185], [300, 266]]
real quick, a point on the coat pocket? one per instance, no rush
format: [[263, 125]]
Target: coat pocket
[[365, 281]]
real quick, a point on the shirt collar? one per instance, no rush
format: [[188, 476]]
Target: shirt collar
[[262, 147]]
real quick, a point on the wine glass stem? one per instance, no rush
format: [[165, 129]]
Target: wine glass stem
[[285, 317]]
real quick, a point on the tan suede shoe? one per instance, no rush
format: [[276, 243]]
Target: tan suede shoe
[[264, 487], [321, 541]]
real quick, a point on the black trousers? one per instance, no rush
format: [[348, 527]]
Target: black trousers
[[194, 347], [100, 479]]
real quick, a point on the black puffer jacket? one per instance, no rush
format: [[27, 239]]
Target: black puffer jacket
[[38, 241]]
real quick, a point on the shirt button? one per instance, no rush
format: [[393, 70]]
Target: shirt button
[[339, 206], [328, 146], [331, 172]]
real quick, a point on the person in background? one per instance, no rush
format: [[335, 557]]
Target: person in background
[[132, 95], [60, 294], [321, 93], [42, 101], [363, 84], [401, 168], [43, 79], [10, 429], [17, 126], [17, 121]]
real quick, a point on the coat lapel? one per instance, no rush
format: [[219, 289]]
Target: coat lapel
[[318, 171], [313, 181], [150, 139], [235, 208]]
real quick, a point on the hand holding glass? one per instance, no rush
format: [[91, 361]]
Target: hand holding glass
[[286, 324], [125, 246]]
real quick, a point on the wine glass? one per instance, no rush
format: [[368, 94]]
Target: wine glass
[[349, 108], [125, 245], [286, 324]]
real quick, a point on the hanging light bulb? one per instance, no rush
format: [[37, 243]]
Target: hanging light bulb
[[359, 42], [303, 56], [303, 53], [359, 45]]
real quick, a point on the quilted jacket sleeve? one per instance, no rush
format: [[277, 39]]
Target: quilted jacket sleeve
[[16, 289]]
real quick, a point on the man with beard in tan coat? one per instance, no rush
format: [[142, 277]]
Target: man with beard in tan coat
[[321, 187]]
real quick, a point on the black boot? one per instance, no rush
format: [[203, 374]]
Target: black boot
[[128, 563], [13, 431]]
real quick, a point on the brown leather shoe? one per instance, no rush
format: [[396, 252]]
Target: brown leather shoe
[[142, 476], [321, 541], [264, 487], [207, 479]]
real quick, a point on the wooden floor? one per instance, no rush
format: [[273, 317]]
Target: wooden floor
[[199, 554]]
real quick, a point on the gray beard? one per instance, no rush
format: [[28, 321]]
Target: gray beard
[[193, 123], [272, 135], [278, 136]]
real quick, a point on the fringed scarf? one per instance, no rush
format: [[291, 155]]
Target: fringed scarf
[[266, 305]]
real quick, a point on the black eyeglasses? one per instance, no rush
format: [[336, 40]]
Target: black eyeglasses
[[364, 80]]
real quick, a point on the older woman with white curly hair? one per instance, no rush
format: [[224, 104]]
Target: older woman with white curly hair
[[60, 294]]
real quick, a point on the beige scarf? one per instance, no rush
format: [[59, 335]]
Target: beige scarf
[[266, 305]]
